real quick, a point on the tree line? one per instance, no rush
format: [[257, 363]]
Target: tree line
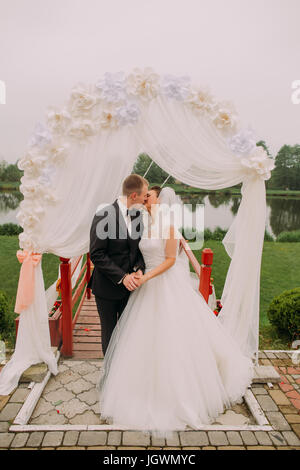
[[9, 172], [286, 174]]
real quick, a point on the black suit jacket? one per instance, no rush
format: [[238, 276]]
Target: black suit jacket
[[116, 254]]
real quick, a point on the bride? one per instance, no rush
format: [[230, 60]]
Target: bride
[[170, 365]]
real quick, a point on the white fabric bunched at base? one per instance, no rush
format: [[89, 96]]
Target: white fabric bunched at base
[[80, 158]]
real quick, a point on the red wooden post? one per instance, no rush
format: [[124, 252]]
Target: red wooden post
[[204, 285], [66, 298], [88, 275]]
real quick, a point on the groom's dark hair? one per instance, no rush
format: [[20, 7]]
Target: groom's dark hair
[[133, 183]]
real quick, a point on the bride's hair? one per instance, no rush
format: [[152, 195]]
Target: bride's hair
[[157, 189]]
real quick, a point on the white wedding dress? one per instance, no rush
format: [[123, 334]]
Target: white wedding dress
[[169, 363]]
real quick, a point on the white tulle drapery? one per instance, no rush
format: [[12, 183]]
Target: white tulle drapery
[[189, 148], [78, 160]]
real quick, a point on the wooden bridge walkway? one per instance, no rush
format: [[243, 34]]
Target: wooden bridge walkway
[[87, 332]]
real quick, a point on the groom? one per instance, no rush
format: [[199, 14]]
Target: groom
[[114, 237]]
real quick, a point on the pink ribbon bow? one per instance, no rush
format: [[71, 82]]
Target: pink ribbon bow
[[25, 294]]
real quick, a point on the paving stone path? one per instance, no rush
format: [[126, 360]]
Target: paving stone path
[[70, 400]]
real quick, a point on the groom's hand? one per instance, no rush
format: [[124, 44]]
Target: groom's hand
[[138, 274], [130, 282]]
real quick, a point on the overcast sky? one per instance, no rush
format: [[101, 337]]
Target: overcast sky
[[246, 51]]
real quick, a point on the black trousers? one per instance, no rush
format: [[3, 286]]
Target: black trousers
[[109, 313]]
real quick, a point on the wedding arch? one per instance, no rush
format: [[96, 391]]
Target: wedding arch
[[78, 157]]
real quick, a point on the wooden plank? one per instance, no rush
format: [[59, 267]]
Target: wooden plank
[[90, 326], [89, 313], [90, 320], [93, 332], [84, 339], [86, 346], [87, 354], [84, 334]]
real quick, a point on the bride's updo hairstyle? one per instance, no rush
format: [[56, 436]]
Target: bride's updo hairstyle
[[157, 189]]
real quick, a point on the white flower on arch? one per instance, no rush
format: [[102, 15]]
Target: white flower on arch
[[259, 162], [128, 114], [112, 87], [41, 136], [82, 101], [108, 120], [200, 100], [174, 87], [81, 129], [243, 142], [225, 117], [143, 83], [57, 120]]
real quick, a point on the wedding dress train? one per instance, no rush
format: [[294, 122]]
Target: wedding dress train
[[169, 363]]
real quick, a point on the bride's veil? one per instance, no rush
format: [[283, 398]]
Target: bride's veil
[[169, 200]]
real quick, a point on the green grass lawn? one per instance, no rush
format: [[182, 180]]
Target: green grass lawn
[[10, 185], [280, 271]]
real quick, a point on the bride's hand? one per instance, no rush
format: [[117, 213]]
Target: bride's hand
[[140, 280]]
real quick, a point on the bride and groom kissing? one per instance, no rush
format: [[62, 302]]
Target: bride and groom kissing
[[168, 362]]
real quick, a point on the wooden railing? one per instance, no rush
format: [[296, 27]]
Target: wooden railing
[[203, 271], [69, 299]]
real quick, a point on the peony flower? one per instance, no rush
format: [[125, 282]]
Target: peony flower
[[58, 154], [200, 100], [82, 129], [32, 166], [27, 220], [112, 87], [127, 114], [225, 117], [143, 83], [108, 120], [259, 162], [27, 242], [177, 88], [81, 100], [243, 142], [31, 190], [58, 121], [41, 137]]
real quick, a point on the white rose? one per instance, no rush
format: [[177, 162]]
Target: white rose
[[108, 120], [58, 121], [225, 117], [82, 129], [81, 100], [260, 163], [58, 154], [200, 100], [143, 83]]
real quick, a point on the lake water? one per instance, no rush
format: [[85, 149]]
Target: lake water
[[283, 214]]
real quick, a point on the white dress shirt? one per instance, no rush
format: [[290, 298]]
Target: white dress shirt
[[123, 208]]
